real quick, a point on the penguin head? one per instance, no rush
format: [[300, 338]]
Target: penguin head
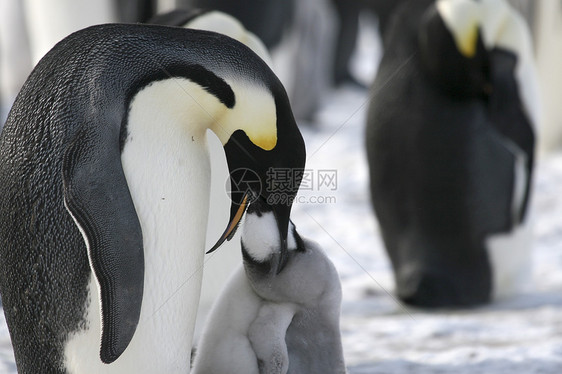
[[255, 125], [459, 68], [495, 21], [265, 153], [457, 39]]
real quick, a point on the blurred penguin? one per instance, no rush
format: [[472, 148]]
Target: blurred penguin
[[347, 13], [268, 19], [28, 29], [451, 140], [548, 33]]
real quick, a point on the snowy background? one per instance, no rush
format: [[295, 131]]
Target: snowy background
[[520, 335]]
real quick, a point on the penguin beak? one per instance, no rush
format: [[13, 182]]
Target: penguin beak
[[236, 214], [251, 178], [281, 212]]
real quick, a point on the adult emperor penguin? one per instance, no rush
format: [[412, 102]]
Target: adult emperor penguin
[[269, 322], [450, 140], [104, 191]]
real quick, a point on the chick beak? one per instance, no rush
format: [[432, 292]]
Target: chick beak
[[282, 213]]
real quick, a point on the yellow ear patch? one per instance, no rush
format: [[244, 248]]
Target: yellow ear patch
[[254, 112], [266, 142], [466, 43], [502, 26], [462, 18]]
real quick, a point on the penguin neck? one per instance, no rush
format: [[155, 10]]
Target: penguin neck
[[174, 108]]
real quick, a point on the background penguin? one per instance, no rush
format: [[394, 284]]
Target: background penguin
[[30, 28], [450, 138], [348, 12], [268, 19], [104, 191], [216, 21], [266, 322]]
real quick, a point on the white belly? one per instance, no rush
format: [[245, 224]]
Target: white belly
[[511, 261], [510, 253], [220, 264], [168, 175]]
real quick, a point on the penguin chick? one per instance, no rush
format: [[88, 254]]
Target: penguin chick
[[269, 322]]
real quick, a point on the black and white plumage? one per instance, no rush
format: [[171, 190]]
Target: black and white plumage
[[104, 191], [270, 322], [450, 139]]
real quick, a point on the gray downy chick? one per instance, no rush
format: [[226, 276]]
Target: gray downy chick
[[268, 321]]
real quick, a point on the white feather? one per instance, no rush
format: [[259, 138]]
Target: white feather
[[260, 236], [226, 331], [511, 261]]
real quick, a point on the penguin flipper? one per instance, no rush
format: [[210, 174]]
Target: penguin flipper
[[267, 337], [509, 116], [97, 196]]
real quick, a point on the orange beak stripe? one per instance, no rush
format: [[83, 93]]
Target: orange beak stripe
[[232, 225]]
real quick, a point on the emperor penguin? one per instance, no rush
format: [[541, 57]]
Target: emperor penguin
[[450, 141], [104, 191], [270, 322], [217, 21]]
